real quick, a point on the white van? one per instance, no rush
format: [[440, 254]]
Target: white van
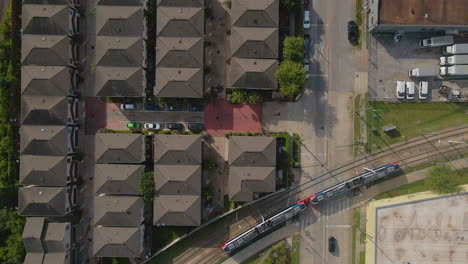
[[410, 90], [423, 90], [400, 89], [306, 19]]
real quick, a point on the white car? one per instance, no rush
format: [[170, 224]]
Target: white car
[[306, 19], [155, 126], [423, 89], [400, 90], [410, 90], [127, 107], [307, 70]]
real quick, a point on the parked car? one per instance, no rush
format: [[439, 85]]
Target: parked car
[[196, 127], [306, 47], [196, 108], [134, 125], [127, 107], [331, 244], [152, 126], [410, 90], [423, 89], [175, 126], [353, 32], [153, 107], [173, 107], [307, 69], [306, 19], [306, 4], [400, 89]]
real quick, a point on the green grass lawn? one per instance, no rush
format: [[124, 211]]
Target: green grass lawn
[[165, 235], [411, 120], [296, 248]]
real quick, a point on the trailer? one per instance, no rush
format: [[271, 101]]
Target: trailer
[[455, 49], [436, 42], [422, 72], [455, 70], [454, 60]]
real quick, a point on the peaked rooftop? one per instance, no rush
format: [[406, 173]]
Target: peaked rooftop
[[42, 201], [254, 43], [177, 210], [117, 179], [177, 149], [179, 82], [119, 81], [179, 52], [245, 181], [252, 151], [180, 3], [50, 50], [119, 21], [178, 179], [119, 51], [44, 110], [254, 73], [32, 234], [43, 140], [45, 19], [258, 13], [43, 170], [120, 148], [45, 80], [122, 242], [123, 211], [180, 21]]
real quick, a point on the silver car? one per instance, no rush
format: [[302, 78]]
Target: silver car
[[155, 126]]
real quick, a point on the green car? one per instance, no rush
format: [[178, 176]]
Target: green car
[[134, 125]]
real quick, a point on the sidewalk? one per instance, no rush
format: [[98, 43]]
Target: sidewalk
[[263, 243]]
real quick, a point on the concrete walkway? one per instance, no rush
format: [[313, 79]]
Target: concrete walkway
[[263, 243]]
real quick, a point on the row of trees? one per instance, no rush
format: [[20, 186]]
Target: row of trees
[[11, 227], [291, 74]]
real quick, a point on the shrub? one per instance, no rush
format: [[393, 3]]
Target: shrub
[[293, 49], [442, 179], [241, 96], [291, 77], [208, 164], [146, 187]]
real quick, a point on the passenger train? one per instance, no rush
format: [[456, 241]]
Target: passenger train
[[281, 217]]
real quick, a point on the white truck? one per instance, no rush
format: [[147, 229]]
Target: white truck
[[455, 49], [436, 42], [455, 70], [422, 72], [454, 60]]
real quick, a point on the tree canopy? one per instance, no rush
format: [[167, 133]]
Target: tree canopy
[[146, 187], [241, 96], [442, 179], [293, 49], [291, 5], [291, 77]]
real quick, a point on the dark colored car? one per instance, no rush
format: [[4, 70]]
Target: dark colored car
[[173, 107], [306, 4], [353, 32], [196, 127], [196, 108], [175, 126], [153, 107], [331, 244], [306, 47]]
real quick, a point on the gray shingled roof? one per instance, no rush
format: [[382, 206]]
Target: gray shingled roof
[[45, 19], [177, 210], [120, 148], [252, 151], [180, 22], [117, 241], [43, 140], [57, 237], [261, 43], [117, 179], [32, 234], [177, 149], [46, 2], [119, 21], [119, 51], [45, 80], [44, 110], [180, 3], [121, 2], [179, 82], [258, 13], [50, 50], [42, 201], [177, 179], [57, 258], [245, 181], [179, 52], [119, 81], [43, 170], [34, 258], [123, 211], [254, 73]]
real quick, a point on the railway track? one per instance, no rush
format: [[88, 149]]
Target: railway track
[[409, 153]]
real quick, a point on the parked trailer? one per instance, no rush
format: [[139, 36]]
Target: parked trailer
[[455, 49], [454, 60], [422, 72], [455, 70], [436, 42]]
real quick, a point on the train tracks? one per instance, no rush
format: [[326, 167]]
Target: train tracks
[[423, 149]]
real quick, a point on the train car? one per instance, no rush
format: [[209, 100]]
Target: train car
[[249, 235], [352, 183]]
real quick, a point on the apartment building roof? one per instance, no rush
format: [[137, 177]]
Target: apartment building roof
[[123, 211], [122, 242], [45, 80], [45, 19], [179, 82], [254, 43], [180, 21], [252, 151], [47, 50], [177, 179], [180, 3], [43, 170], [119, 51], [32, 234], [179, 52], [121, 2], [119, 148], [177, 149], [254, 73], [117, 179], [119, 81], [119, 21], [258, 13], [43, 140], [245, 181], [44, 110], [42, 201], [177, 210]]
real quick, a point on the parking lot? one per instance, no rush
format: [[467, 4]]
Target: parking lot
[[389, 61]]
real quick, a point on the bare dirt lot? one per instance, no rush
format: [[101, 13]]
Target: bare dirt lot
[[424, 231]]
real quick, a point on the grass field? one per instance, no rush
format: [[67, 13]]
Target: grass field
[[411, 120]]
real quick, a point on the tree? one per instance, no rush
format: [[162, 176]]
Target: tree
[[291, 5], [146, 187], [293, 49], [291, 77], [241, 96], [442, 179], [11, 229]]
